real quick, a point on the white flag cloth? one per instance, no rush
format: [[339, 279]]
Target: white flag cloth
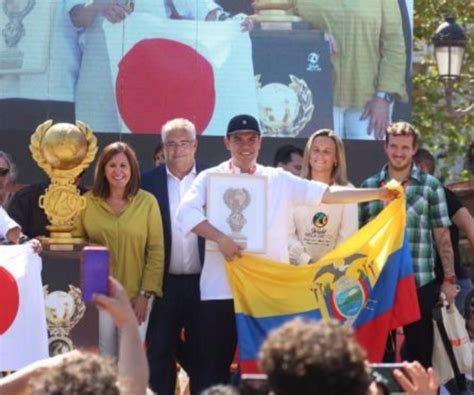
[[23, 330], [163, 69]]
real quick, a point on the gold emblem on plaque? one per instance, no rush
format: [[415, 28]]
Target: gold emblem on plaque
[[275, 11], [237, 199], [63, 151], [63, 311], [284, 110]]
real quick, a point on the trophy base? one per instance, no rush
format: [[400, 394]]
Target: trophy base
[[11, 58], [273, 4], [275, 16], [62, 242], [278, 26]]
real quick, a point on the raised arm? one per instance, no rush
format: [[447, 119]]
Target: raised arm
[[132, 363], [359, 195]]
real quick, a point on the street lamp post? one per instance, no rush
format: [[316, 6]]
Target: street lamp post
[[449, 43]]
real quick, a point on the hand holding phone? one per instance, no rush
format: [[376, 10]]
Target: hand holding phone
[[94, 272], [416, 380], [384, 377]]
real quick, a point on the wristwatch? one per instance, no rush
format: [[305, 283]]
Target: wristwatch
[[388, 97], [147, 294]]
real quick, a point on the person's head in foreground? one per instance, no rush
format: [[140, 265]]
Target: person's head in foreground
[[317, 358], [87, 373], [220, 389], [80, 373], [307, 357]]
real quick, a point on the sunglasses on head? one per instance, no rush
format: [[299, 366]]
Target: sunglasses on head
[[4, 171]]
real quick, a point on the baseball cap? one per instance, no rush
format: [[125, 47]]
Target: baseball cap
[[242, 123]]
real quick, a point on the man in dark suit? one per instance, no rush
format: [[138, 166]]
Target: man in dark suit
[[178, 309]]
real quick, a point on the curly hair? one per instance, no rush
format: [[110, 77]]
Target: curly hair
[[220, 389], [402, 129], [306, 357], [83, 374]]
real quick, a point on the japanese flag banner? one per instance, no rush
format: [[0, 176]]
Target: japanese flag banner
[[23, 329]]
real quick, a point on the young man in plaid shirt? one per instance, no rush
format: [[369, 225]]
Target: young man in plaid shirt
[[427, 224]]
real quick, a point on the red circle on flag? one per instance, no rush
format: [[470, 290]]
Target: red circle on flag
[[159, 80], [9, 300]]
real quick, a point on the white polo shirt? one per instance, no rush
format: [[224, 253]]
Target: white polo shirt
[[284, 191]]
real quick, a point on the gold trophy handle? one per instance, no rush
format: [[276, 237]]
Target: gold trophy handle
[[83, 203], [41, 201]]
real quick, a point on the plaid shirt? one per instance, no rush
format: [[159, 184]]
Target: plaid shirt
[[426, 210]]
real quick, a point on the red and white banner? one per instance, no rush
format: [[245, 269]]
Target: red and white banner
[[23, 330], [163, 69]]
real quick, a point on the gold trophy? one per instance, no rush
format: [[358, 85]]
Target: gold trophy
[[275, 11], [63, 151]]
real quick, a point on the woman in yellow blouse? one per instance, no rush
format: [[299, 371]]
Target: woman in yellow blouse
[[127, 221]]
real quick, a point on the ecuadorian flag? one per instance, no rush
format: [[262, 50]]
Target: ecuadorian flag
[[366, 282]]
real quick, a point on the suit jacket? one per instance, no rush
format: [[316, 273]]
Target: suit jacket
[[155, 182]]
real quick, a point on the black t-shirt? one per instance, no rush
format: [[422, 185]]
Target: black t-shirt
[[24, 209], [454, 204]]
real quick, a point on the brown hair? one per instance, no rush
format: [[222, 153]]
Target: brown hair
[[313, 357], [402, 129], [79, 373], [101, 186], [339, 171]]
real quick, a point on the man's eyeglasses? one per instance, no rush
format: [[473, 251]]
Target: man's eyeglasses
[[181, 144], [4, 171]]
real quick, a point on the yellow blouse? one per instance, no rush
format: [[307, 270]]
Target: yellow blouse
[[134, 238]]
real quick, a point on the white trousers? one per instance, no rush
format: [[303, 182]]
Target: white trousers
[[109, 334]]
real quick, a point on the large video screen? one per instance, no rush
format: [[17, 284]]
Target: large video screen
[[126, 66]]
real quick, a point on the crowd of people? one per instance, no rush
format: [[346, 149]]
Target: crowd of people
[[172, 292]]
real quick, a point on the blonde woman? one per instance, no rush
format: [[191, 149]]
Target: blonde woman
[[317, 229]]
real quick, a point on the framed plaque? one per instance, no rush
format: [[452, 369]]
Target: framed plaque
[[236, 205]]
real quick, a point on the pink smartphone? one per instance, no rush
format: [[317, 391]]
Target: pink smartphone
[[94, 272]]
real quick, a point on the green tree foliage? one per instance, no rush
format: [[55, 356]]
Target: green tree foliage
[[441, 133]]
